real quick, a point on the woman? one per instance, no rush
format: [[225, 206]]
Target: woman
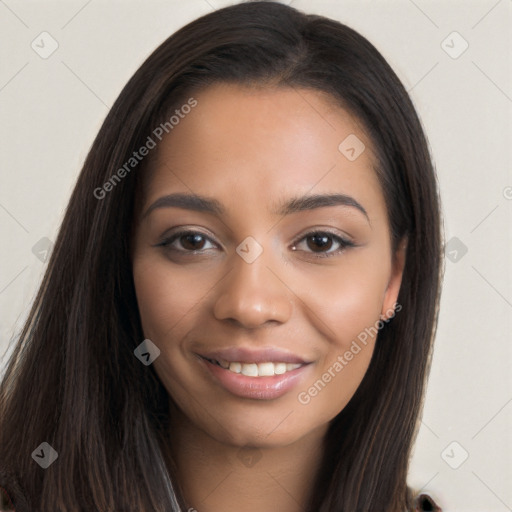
[[240, 307]]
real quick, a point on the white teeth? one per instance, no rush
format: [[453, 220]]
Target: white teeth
[[251, 370], [279, 368], [235, 367], [265, 369], [268, 369]]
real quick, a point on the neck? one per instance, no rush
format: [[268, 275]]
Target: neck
[[216, 477]]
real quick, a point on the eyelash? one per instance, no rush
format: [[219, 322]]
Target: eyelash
[[343, 242]]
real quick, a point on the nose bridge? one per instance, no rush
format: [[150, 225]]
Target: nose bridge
[[252, 293]]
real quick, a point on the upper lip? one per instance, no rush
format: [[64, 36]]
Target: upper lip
[[247, 355]]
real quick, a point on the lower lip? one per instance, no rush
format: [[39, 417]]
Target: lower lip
[[259, 388]]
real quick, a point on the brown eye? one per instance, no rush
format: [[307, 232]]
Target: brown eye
[[192, 241], [320, 243], [186, 242]]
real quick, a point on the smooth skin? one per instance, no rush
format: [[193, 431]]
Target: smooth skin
[[253, 149]]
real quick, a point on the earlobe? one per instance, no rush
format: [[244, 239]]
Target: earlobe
[[393, 288]]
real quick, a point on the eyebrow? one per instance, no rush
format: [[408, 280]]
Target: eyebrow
[[294, 205]]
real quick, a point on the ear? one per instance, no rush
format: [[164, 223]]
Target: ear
[[395, 280]]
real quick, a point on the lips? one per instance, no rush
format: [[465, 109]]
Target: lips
[[259, 374], [245, 355]]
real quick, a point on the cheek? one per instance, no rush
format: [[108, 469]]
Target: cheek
[[344, 300], [167, 302], [345, 307], [164, 297]]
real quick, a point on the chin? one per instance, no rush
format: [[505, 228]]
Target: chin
[[261, 429]]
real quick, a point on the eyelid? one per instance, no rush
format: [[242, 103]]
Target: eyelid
[[180, 231], [344, 241], [321, 230]]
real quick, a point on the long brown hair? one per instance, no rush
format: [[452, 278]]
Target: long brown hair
[[73, 380]]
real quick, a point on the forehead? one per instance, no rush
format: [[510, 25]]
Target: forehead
[[254, 146]]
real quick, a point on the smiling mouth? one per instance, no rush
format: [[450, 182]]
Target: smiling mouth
[[266, 369]]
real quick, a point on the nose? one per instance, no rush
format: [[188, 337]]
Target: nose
[[253, 294]]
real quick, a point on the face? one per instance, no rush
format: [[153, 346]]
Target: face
[[265, 297]]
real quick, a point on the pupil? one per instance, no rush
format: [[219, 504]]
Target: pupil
[[193, 239], [321, 240]]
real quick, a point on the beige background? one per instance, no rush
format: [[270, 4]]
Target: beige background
[[51, 109]]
